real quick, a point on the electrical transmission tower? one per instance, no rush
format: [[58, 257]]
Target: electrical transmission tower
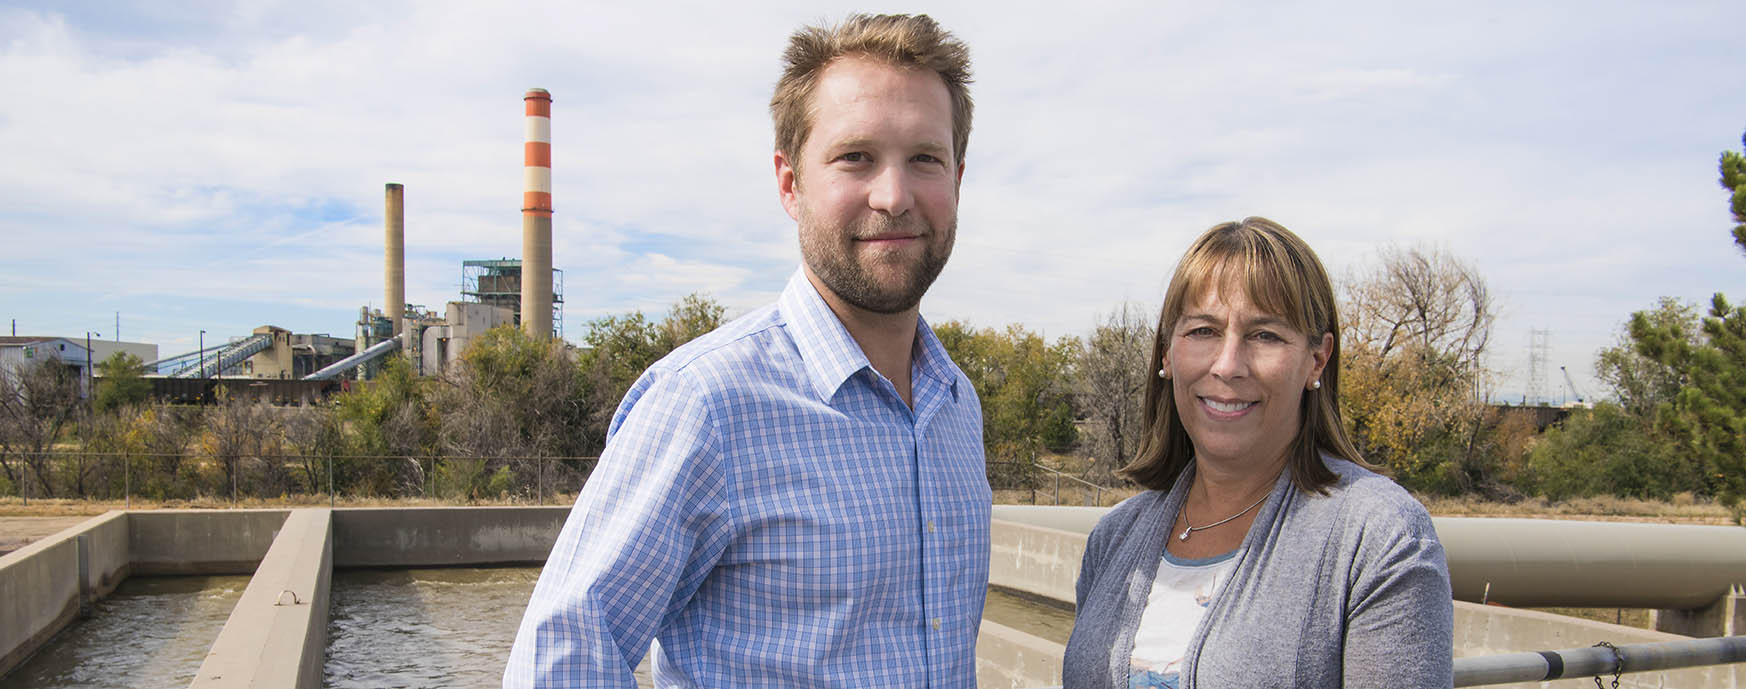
[[1538, 346]]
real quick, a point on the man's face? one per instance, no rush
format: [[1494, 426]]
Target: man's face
[[875, 187]]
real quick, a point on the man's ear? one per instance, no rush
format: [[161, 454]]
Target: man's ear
[[786, 184]]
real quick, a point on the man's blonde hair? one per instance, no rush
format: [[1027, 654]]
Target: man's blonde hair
[[900, 40]]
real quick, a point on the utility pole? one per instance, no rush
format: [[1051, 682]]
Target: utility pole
[[90, 379]]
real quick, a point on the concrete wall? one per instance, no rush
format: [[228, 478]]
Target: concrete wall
[[201, 541], [445, 536], [1725, 617], [1010, 659], [46, 585], [108, 554], [1035, 560], [1065, 517], [276, 637]]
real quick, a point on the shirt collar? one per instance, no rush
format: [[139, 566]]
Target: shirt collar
[[831, 355]]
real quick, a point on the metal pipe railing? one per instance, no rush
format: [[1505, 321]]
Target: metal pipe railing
[[1092, 492], [1545, 666]]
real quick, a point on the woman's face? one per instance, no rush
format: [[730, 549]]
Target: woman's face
[[1238, 375]]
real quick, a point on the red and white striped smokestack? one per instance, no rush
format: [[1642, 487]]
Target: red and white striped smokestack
[[536, 216]]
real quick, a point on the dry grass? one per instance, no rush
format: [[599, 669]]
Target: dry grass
[[59, 507], [1682, 509], [1640, 618]]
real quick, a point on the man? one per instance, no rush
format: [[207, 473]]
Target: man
[[798, 499]]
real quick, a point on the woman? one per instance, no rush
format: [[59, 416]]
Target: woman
[[1264, 554]]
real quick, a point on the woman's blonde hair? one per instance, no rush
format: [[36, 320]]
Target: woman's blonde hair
[[1279, 274]]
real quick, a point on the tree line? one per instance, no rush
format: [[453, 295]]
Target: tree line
[[1417, 324]]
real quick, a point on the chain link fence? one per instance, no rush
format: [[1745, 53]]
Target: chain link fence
[[293, 479]]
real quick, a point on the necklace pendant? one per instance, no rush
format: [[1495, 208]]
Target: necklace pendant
[[1184, 535]]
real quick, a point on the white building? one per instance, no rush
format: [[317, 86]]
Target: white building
[[16, 352], [23, 350]]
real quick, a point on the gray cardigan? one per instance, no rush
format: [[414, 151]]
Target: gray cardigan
[[1344, 589]]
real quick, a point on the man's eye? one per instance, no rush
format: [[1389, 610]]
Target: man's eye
[[925, 158], [854, 157]]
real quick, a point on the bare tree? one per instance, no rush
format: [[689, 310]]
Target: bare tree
[[1422, 299], [238, 429], [37, 401], [167, 432], [102, 434], [1414, 336], [1113, 370], [314, 434]]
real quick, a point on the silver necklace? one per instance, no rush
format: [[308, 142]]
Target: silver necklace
[[1191, 529]]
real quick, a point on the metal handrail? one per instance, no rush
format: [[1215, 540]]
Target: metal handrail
[[1545, 666], [1056, 498], [1093, 492]]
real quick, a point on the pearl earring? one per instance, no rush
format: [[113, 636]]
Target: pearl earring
[[1164, 373], [1317, 385]]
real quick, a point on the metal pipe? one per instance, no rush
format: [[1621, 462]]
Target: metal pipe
[[1551, 563], [394, 258], [353, 361], [536, 216], [1545, 666]]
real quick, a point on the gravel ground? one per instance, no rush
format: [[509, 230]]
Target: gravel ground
[[17, 532]]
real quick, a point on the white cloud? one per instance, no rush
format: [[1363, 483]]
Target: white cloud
[[220, 164]]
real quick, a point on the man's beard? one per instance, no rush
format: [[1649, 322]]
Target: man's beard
[[830, 255]]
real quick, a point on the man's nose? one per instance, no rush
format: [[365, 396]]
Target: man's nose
[[891, 191]]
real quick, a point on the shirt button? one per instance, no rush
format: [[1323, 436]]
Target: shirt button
[[936, 624], [930, 526]]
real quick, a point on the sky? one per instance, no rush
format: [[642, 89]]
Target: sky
[[219, 166]]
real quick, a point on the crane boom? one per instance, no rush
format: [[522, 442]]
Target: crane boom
[[1571, 383]]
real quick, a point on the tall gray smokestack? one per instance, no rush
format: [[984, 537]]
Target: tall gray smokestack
[[536, 216], [394, 255]]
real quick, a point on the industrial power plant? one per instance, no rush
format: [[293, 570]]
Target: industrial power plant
[[283, 367]]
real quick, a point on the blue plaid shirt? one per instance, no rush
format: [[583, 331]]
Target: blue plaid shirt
[[771, 511]]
